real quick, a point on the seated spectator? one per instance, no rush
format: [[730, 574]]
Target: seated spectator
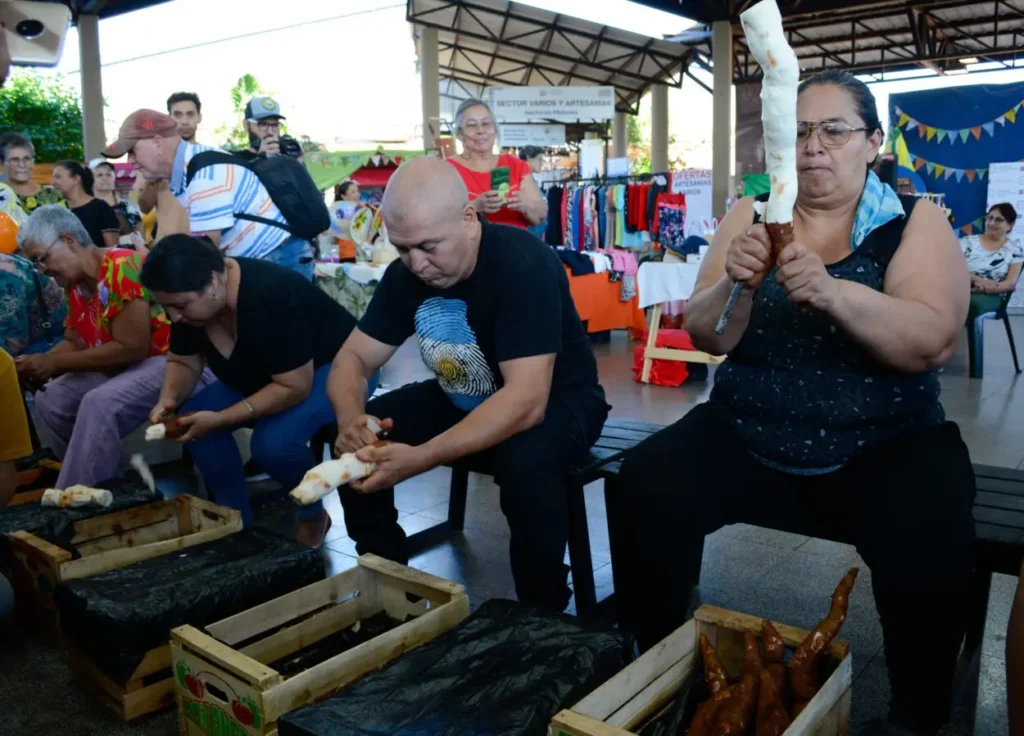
[[825, 418], [105, 189], [107, 370], [215, 196], [491, 309], [18, 156], [269, 336], [994, 260], [74, 182], [32, 308]]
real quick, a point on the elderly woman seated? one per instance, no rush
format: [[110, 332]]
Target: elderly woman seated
[[269, 336], [107, 370], [32, 307], [825, 418]]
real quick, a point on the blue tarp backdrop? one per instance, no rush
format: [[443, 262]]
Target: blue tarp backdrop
[[953, 134]]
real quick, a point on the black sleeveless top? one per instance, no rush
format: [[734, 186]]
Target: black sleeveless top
[[803, 395]]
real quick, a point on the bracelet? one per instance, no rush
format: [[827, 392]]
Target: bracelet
[[248, 406]]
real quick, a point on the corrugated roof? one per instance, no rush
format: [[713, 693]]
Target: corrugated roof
[[500, 43], [106, 8]]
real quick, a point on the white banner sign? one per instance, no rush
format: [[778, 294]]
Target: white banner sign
[[696, 185], [514, 135], [1006, 184], [537, 104]]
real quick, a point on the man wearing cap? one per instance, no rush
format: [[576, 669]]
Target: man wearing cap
[[216, 194], [263, 124]]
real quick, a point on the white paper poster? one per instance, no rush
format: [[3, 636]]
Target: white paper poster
[[618, 166], [538, 104], [517, 135], [591, 158], [1006, 184], [696, 185]]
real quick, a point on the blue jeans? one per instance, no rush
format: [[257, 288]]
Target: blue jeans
[[280, 444], [296, 254]]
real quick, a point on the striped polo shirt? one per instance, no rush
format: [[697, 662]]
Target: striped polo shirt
[[214, 197]]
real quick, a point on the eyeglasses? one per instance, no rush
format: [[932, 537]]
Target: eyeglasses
[[40, 262], [21, 161], [830, 132], [268, 125]]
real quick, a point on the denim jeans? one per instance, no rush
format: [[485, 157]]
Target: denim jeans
[[296, 254], [280, 443]]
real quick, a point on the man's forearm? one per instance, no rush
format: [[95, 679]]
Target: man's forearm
[[501, 416], [703, 311], [109, 356], [903, 334], [347, 386]]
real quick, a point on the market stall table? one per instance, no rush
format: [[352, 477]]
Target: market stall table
[[658, 283], [350, 284]]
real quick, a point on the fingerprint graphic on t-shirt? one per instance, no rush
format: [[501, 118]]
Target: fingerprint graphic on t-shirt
[[449, 348]]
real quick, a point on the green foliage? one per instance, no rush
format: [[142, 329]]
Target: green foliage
[[237, 137], [47, 111]]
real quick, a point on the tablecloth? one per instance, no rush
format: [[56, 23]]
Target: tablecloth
[[665, 282], [350, 284], [598, 303]]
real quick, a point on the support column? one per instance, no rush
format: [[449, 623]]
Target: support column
[[94, 137], [620, 135], [430, 86], [659, 127], [721, 141]]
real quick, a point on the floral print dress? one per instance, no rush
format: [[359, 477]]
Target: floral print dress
[[32, 306], [46, 195], [118, 284]]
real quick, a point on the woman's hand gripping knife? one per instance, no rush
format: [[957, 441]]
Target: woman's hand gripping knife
[[803, 667], [762, 29], [331, 474]]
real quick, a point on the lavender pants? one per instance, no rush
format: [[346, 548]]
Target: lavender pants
[[88, 414]]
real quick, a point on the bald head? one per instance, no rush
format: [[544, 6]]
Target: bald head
[[424, 189]]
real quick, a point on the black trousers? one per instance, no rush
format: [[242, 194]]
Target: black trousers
[[905, 505], [530, 468]]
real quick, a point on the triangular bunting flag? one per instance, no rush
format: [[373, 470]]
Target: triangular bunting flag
[[1011, 115], [931, 167], [1001, 120], [949, 173], [970, 175], [976, 132], [918, 163], [981, 173], [931, 131], [989, 128], [942, 135], [959, 175], [938, 170], [921, 130], [911, 124], [964, 134], [968, 228], [903, 118]]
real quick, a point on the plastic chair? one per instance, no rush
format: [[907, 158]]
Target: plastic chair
[[977, 351]]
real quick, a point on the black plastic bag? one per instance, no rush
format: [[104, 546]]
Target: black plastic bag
[[116, 617], [507, 669], [54, 525]]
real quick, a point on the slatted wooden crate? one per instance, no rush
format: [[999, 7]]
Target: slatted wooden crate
[[109, 542], [223, 679], [149, 689], [648, 686]]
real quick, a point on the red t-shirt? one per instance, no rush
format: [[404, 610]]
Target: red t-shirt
[[478, 182], [117, 285]]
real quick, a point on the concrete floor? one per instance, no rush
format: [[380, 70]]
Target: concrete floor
[[768, 573]]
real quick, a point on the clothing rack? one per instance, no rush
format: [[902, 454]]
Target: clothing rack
[[602, 180]]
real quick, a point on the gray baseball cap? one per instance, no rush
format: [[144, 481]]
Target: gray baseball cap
[[263, 107]]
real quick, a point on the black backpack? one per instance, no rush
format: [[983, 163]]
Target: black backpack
[[287, 182]]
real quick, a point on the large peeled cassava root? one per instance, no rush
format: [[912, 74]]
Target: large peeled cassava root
[[327, 476], [74, 497], [762, 30], [803, 669]]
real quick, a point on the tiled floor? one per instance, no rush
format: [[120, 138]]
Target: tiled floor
[[782, 576]]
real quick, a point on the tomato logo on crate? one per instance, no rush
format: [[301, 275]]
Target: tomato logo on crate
[[210, 717]]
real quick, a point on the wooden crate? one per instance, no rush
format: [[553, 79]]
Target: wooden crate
[[149, 689], [223, 681], [645, 688], [109, 542]]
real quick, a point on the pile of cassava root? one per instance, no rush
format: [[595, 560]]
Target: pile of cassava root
[[770, 694]]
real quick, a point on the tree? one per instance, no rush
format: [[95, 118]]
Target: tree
[[244, 90], [45, 110]]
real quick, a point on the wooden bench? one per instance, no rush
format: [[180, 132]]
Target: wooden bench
[[603, 463]]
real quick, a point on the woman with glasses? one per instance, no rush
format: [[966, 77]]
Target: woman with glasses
[[99, 383], [994, 260], [517, 201], [825, 417], [18, 156]]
